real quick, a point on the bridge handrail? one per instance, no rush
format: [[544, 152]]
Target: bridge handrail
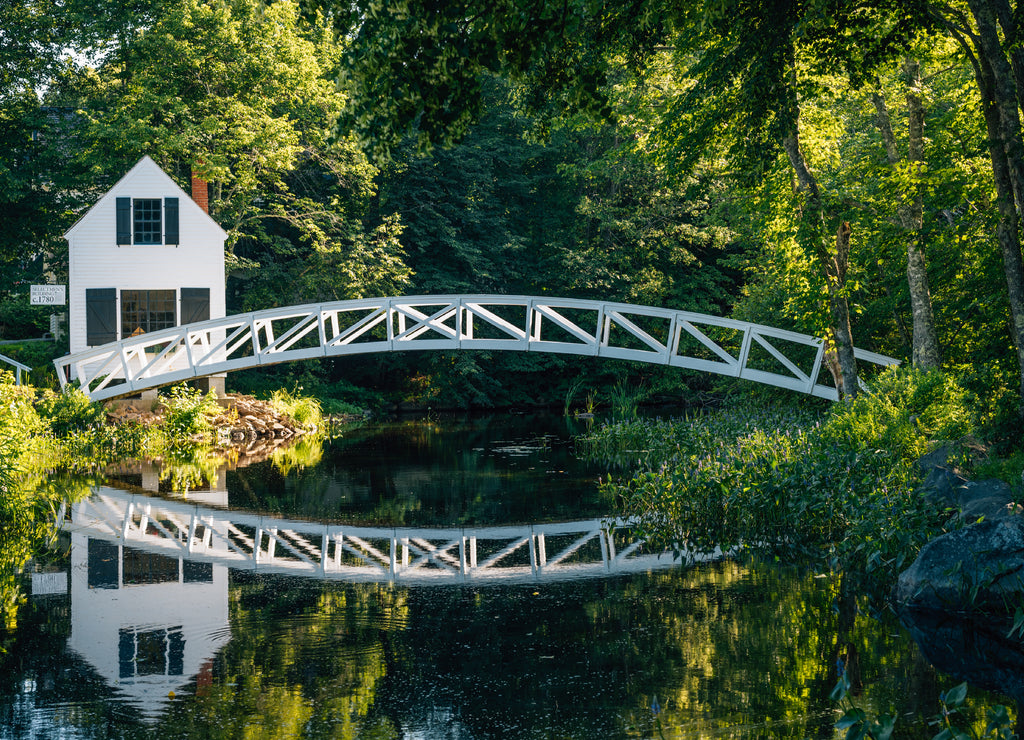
[[18, 368], [442, 322]]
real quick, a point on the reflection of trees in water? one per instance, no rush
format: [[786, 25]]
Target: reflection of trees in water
[[419, 473], [721, 646], [305, 660], [726, 648]]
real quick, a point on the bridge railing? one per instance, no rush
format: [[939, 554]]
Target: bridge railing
[[487, 322], [19, 368]]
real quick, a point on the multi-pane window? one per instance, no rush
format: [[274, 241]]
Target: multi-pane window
[[150, 652], [146, 220], [147, 310]]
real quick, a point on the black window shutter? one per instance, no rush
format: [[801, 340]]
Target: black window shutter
[[171, 220], [195, 305], [100, 316], [124, 220]]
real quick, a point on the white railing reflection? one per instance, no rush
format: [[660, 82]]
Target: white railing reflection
[[414, 556]]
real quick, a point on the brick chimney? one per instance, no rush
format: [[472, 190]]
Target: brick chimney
[[200, 192]]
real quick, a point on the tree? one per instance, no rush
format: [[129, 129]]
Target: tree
[[742, 57], [425, 62], [910, 213], [241, 93], [32, 38], [991, 45]]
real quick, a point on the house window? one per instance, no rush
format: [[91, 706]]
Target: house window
[[150, 652], [147, 221], [147, 310]]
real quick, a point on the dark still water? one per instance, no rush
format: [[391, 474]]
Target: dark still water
[[427, 579]]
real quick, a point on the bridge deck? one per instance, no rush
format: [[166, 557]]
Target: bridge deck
[[660, 336]]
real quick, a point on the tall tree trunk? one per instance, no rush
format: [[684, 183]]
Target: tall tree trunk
[[910, 214], [833, 264], [1008, 229], [1004, 93], [835, 270], [999, 90]]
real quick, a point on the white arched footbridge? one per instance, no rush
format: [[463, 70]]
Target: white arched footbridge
[[485, 322]]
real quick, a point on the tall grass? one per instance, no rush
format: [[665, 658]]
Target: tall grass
[[303, 410]]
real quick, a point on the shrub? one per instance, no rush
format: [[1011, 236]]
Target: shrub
[[838, 488], [902, 411], [70, 411], [22, 509], [188, 412]]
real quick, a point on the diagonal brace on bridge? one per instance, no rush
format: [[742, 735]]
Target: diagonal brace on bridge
[[660, 336]]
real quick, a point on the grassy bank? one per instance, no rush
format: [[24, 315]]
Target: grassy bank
[[836, 486], [55, 446]]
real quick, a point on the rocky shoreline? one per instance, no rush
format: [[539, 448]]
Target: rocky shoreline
[[976, 567], [242, 419], [962, 599]]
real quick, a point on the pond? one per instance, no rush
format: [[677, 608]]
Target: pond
[[445, 577]]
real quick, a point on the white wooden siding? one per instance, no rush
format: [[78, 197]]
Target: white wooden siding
[[95, 260]]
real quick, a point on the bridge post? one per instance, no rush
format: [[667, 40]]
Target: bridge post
[[325, 544], [143, 520], [271, 543], [127, 523], [533, 552], [741, 361]]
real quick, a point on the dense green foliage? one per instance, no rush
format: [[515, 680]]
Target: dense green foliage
[[839, 488], [635, 153], [21, 514], [55, 446], [629, 205]]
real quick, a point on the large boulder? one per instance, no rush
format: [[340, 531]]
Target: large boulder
[[978, 567], [984, 499], [970, 501]]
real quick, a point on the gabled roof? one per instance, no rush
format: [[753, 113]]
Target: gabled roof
[[123, 187]]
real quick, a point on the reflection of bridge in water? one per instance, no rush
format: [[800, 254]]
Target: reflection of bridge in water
[[414, 556]]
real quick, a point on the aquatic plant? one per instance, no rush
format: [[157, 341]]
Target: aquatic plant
[[626, 399], [837, 487], [570, 395], [859, 725]]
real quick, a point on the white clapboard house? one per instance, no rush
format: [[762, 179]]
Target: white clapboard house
[[145, 257]]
